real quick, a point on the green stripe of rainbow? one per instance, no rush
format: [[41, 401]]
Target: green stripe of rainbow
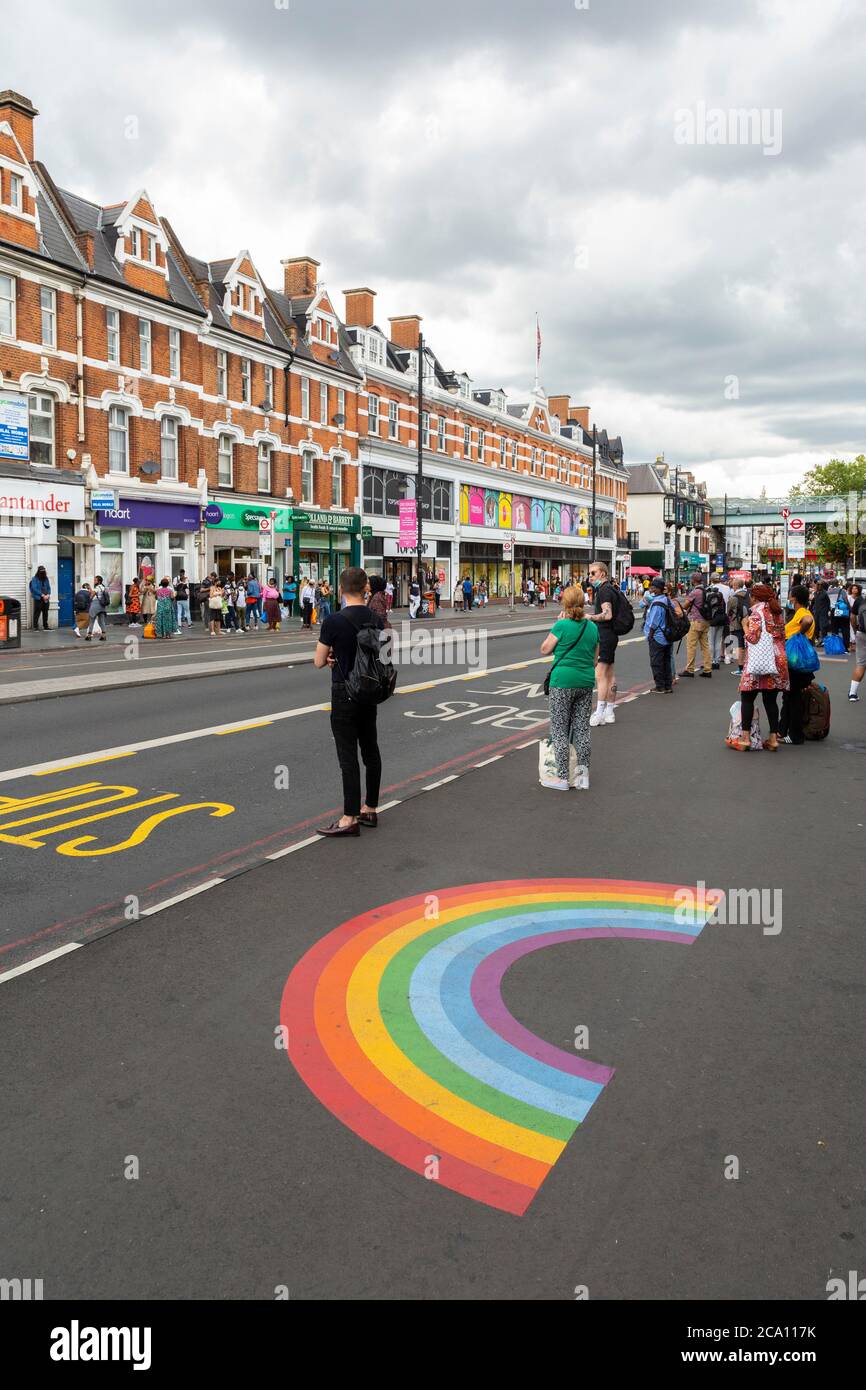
[[396, 1023]]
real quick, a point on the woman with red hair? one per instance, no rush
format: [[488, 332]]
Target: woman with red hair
[[766, 666]]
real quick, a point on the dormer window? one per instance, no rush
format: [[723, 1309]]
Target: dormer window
[[464, 386], [375, 349], [143, 246]]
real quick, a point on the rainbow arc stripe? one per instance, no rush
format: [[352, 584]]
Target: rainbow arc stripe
[[396, 1023]]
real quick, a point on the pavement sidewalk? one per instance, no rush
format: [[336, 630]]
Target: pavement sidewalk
[[745, 1046]]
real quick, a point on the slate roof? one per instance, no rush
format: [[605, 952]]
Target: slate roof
[[643, 479]]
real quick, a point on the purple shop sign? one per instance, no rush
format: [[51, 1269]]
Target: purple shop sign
[[153, 516], [213, 514]]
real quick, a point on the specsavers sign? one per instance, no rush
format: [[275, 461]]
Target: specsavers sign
[[32, 498]]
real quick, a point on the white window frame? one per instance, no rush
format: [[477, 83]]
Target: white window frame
[[503, 452], [372, 413], [305, 398], [16, 192], [145, 346], [225, 454], [118, 427], [337, 481], [440, 436], [112, 336], [45, 411], [265, 457], [514, 458], [425, 428], [307, 475], [8, 296], [174, 353], [467, 441], [393, 419], [222, 373], [341, 402], [48, 316], [246, 380], [169, 447], [323, 402], [482, 445], [269, 384]]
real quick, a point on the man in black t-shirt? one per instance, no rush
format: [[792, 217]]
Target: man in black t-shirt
[[353, 725]]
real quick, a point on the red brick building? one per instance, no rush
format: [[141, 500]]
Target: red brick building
[[201, 400]]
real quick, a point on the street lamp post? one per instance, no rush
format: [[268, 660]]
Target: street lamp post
[[594, 460], [420, 477], [676, 527]]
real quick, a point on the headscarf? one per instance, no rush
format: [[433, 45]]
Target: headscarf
[[762, 593]]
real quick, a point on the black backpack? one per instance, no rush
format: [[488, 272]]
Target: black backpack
[[675, 628], [371, 680], [715, 609], [622, 614]]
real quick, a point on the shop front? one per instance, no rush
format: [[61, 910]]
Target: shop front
[[143, 539], [321, 544], [551, 540], [235, 541], [38, 513]]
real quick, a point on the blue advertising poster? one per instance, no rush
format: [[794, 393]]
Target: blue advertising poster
[[14, 427]]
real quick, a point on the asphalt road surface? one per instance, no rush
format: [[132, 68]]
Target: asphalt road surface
[[96, 828], [166, 1138]]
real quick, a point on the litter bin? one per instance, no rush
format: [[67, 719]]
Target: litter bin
[[10, 623], [428, 605]]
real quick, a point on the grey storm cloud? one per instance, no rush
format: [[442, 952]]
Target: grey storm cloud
[[478, 161]]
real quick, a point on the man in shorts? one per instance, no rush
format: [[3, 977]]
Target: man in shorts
[[604, 601]]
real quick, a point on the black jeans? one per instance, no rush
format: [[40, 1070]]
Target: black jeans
[[354, 727], [40, 609], [791, 720], [747, 708], [662, 663], [308, 613]]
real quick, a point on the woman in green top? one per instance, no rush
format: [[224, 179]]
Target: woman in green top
[[574, 643]]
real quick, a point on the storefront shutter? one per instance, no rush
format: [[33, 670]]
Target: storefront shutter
[[13, 574]]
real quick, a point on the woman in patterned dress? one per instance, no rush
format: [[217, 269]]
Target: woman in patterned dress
[[164, 621], [766, 666]]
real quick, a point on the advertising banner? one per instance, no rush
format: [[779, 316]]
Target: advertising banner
[[408, 522], [31, 498], [152, 516], [14, 427]]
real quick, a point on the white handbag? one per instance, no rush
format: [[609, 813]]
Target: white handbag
[[761, 655]]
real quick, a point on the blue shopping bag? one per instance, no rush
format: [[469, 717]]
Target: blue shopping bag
[[801, 655], [833, 645]]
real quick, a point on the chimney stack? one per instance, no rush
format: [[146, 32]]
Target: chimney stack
[[558, 405], [359, 308], [406, 331], [20, 112], [580, 413], [299, 276]]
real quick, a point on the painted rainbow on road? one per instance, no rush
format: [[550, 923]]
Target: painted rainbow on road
[[396, 1023]]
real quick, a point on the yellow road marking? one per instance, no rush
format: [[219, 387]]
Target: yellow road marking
[[241, 728], [86, 762]]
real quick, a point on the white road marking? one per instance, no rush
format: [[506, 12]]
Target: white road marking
[[530, 744], [41, 960], [494, 759], [299, 844], [59, 764], [181, 897], [388, 805], [431, 786]]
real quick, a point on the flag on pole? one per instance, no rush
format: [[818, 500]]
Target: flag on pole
[[537, 343]]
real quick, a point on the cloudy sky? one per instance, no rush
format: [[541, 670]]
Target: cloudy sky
[[699, 284]]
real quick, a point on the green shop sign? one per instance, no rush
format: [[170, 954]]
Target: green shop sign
[[242, 516]]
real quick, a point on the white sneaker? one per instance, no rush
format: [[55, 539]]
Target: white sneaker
[[76, 632], [557, 784], [609, 717], [581, 780], [596, 719]]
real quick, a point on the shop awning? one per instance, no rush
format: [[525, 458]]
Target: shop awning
[[642, 569], [80, 540]]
